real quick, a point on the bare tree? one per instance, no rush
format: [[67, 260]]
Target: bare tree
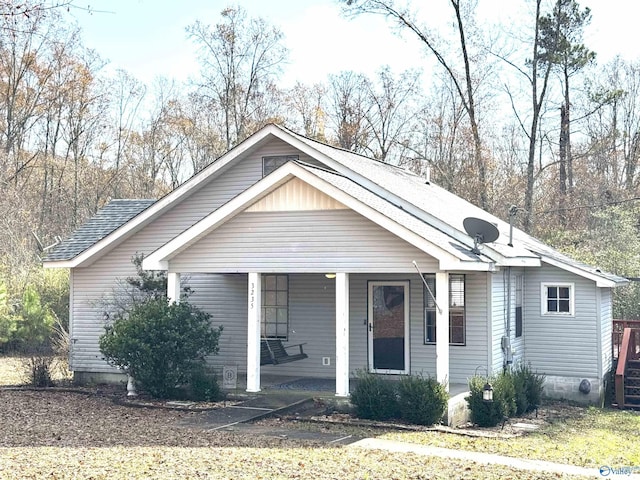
[[307, 109], [240, 58], [349, 107], [392, 106], [464, 83]]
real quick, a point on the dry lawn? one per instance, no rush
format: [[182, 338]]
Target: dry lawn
[[66, 435], [60, 435]]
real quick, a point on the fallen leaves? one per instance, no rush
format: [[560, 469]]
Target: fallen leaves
[[64, 435]]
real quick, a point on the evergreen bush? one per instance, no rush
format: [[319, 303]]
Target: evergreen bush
[[490, 414], [421, 400], [203, 386], [529, 386], [374, 397], [161, 344]]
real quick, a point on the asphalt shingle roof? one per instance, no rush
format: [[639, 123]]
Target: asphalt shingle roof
[[441, 204], [113, 215]]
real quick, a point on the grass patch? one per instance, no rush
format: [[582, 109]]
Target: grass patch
[[15, 371], [594, 438]]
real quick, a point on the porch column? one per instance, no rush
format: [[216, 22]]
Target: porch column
[[253, 332], [342, 334], [173, 287], [442, 328]]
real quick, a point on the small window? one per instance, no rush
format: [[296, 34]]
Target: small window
[[275, 307], [457, 327], [519, 300], [269, 164], [557, 299]]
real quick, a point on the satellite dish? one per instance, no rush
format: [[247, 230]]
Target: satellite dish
[[481, 231]]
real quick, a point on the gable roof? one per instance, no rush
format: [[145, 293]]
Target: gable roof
[[108, 219], [451, 254], [388, 190]]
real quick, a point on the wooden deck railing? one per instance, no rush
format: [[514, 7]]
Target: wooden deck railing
[[622, 366], [618, 329]]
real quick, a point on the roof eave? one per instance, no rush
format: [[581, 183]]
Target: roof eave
[[87, 257], [601, 280]]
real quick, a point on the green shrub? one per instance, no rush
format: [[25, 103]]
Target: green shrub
[[421, 400], [528, 388], [375, 397], [34, 321], [8, 322], [160, 344], [489, 414], [203, 386]]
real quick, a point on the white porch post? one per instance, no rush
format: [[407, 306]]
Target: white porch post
[[342, 334], [173, 287], [442, 328], [253, 332]]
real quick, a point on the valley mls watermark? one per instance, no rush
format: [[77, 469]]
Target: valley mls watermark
[[607, 471]]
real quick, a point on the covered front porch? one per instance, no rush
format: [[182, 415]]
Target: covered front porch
[[347, 323]]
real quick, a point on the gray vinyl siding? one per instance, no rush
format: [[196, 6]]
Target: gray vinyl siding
[[312, 321], [606, 328], [560, 344], [305, 241], [504, 312], [93, 286], [464, 359], [225, 298]]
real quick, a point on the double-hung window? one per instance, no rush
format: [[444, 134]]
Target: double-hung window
[[275, 306], [519, 299], [457, 320], [557, 298]]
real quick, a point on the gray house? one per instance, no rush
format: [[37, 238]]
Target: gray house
[[368, 265]]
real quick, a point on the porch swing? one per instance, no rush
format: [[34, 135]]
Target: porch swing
[[273, 352]]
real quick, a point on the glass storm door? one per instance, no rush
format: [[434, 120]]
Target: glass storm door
[[388, 327]]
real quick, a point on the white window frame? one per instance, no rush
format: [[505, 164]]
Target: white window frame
[[543, 297], [430, 307], [279, 307], [519, 303]]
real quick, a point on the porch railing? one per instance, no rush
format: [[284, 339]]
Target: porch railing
[[634, 341]]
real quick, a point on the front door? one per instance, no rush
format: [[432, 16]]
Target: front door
[[388, 327]]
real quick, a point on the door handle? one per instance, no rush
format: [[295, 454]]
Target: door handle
[[370, 327]]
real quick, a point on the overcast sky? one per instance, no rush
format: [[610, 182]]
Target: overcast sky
[[147, 37]]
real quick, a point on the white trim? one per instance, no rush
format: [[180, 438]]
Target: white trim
[[159, 260], [72, 339], [87, 257], [144, 217], [599, 330], [370, 325], [442, 329], [342, 334], [254, 307], [600, 281], [543, 299], [173, 287], [489, 293]]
